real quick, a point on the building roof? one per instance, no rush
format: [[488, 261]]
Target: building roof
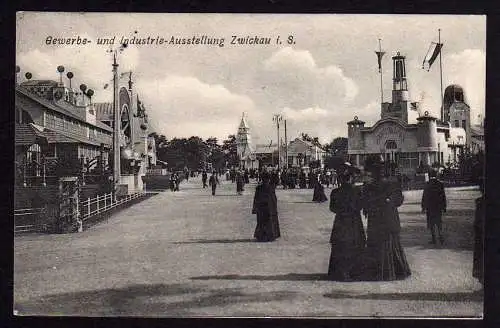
[[27, 134], [265, 148], [104, 111], [48, 104], [243, 123]]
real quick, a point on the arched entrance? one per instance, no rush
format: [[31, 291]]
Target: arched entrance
[[391, 148]]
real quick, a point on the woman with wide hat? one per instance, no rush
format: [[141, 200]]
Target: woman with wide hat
[[384, 257], [348, 236]]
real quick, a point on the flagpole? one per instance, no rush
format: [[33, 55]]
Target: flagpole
[[441, 73], [380, 71]]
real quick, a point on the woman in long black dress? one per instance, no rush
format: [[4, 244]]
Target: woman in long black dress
[[384, 257], [348, 236], [319, 191], [265, 206]]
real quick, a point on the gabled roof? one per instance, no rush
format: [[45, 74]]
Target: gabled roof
[[47, 104], [243, 123], [27, 135]]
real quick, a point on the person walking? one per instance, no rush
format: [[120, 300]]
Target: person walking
[[434, 205], [213, 181], [348, 235], [239, 182], [265, 207], [204, 177], [384, 258], [319, 191]]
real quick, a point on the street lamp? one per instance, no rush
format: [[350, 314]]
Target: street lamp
[[278, 118], [116, 125]]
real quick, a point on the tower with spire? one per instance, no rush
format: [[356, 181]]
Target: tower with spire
[[243, 141]]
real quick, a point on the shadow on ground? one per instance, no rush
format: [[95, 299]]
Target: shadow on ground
[[215, 241], [457, 230], [280, 277], [476, 296], [144, 300]]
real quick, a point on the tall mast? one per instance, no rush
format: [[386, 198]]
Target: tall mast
[[380, 71], [441, 73]]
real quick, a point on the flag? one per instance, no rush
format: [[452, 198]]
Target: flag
[[380, 54], [432, 54]]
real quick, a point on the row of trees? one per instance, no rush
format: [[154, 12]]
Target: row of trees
[[195, 153]]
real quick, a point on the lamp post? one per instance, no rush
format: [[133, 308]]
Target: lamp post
[[116, 128], [278, 118]]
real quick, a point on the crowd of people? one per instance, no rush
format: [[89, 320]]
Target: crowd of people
[[356, 255]]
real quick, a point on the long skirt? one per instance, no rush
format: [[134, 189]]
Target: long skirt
[[384, 261], [348, 242], [267, 228], [319, 194]]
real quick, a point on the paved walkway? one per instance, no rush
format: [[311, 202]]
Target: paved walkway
[[191, 254]]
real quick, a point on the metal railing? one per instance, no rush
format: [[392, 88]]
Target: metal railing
[[103, 203], [30, 219]]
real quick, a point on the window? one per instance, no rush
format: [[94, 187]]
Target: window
[[464, 124], [33, 157], [457, 123]]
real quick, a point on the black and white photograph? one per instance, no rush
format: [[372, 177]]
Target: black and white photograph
[[178, 165]]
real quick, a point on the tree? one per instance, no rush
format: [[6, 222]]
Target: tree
[[229, 147]]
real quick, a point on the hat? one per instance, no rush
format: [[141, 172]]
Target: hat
[[348, 169]]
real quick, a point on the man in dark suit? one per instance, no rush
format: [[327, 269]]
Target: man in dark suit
[[434, 204], [213, 181]]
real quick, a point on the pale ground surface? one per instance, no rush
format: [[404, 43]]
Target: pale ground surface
[[191, 254]]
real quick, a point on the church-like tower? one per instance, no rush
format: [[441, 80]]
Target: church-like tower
[[243, 140]]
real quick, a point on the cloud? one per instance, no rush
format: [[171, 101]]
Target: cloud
[[293, 77], [183, 106], [466, 68]]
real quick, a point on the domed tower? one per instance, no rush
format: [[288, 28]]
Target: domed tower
[[243, 140], [456, 111]]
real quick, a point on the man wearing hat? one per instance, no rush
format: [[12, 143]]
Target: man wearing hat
[[384, 256], [434, 204]]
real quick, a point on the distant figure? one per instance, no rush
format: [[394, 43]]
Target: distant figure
[[177, 181], [204, 177], [328, 178], [240, 181], [319, 192], [478, 255], [172, 182], [246, 176], [213, 181], [434, 204], [311, 177], [302, 180], [265, 206], [384, 257], [348, 235]]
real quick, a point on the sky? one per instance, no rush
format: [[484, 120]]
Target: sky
[[318, 80]]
